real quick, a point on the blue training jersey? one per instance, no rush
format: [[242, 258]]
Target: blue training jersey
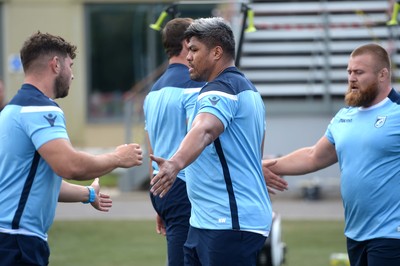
[[225, 183], [367, 142], [29, 188], [166, 110]]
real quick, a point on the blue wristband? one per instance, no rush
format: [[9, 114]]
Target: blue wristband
[[92, 195]]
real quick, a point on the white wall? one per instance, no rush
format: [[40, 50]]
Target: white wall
[[286, 133]]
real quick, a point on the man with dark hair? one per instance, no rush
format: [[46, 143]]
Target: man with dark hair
[[231, 211], [36, 154], [167, 108]]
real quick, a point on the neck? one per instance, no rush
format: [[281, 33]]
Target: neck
[[219, 69], [41, 84], [178, 60]]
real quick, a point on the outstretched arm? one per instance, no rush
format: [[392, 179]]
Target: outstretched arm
[[72, 164], [205, 129], [302, 161]]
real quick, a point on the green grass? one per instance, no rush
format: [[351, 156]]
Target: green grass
[[120, 243], [106, 243], [310, 243], [109, 180]]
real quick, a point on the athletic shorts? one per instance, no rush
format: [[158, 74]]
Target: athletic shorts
[[174, 208], [22, 250], [222, 247], [374, 252]]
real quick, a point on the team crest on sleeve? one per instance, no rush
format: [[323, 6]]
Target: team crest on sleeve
[[214, 100], [50, 118], [380, 121]]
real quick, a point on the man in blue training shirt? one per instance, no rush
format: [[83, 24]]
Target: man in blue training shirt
[[231, 210], [35, 154], [166, 109], [365, 139]]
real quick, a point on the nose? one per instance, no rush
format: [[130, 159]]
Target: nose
[[351, 77], [189, 57]]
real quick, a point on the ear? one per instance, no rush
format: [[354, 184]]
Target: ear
[[185, 43], [185, 47], [384, 73], [217, 52], [55, 64]]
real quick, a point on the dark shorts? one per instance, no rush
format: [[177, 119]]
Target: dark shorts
[[222, 247], [21, 250], [174, 208], [374, 252]]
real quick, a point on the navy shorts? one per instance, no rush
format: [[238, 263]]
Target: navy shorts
[[21, 250], [174, 208], [374, 252], [222, 247]]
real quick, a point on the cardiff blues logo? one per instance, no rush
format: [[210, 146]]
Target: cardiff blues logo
[[380, 121], [214, 100], [51, 119]]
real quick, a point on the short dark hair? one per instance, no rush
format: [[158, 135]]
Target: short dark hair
[[43, 44], [213, 32], [173, 34]]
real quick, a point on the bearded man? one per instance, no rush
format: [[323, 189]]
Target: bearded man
[[365, 139]]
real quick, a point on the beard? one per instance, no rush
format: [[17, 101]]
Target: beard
[[361, 97], [195, 77], [61, 86]]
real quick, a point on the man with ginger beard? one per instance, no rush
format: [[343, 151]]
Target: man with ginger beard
[[364, 138]]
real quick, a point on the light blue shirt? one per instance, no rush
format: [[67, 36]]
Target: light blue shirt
[[367, 142], [29, 188], [225, 183], [167, 108]]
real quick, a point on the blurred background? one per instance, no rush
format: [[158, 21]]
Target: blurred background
[[295, 52]]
